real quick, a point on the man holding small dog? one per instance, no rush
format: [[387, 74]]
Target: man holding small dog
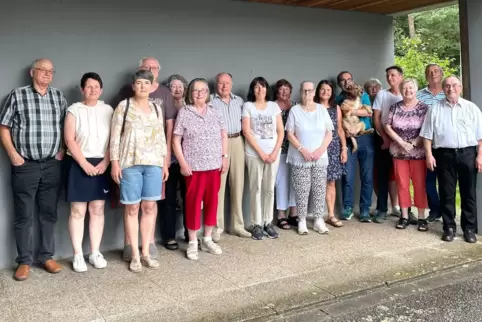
[[364, 154], [383, 161]]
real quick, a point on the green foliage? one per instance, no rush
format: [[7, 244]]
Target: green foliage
[[437, 36], [416, 57]]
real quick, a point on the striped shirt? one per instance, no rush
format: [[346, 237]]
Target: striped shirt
[[36, 121], [428, 98], [231, 112]]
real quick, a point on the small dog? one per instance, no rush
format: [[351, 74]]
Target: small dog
[[351, 123]]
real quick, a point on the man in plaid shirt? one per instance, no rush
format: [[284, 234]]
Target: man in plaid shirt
[[31, 126]]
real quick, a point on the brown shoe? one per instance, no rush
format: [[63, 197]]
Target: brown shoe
[[52, 267], [21, 274]]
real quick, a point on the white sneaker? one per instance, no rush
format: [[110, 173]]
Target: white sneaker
[[97, 260], [216, 237], [211, 247], [302, 230], [79, 263], [191, 252], [396, 211], [320, 227]]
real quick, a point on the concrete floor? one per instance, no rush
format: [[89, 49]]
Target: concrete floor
[[251, 279]]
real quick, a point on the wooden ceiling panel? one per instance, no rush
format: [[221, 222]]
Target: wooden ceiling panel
[[372, 6]]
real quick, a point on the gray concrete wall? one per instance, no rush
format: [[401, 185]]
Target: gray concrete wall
[[474, 17], [193, 38]]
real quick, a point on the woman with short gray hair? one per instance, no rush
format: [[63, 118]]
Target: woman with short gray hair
[[403, 125], [372, 87], [139, 165], [178, 87]]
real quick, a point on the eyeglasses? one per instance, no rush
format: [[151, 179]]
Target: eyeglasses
[[449, 86], [308, 91], [45, 71], [199, 91], [149, 68]]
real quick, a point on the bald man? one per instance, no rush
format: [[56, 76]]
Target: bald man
[[31, 124]]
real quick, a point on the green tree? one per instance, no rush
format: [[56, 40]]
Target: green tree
[[416, 57], [438, 30]]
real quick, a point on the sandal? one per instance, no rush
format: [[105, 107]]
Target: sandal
[[283, 224], [293, 221], [402, 223], [171, 245], [335, 222], [422, 225]]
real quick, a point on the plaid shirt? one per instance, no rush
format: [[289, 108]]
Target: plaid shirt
[[36, 121]]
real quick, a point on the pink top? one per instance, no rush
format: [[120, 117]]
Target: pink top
[[407, 123], [201, 137]]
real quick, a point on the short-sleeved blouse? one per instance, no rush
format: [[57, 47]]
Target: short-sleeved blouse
[[201, 137], [407, 123]]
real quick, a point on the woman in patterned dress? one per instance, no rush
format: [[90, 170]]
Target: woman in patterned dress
[[285, 200], [337, 150]]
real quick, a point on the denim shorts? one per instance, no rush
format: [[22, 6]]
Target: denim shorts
[[140, 182]]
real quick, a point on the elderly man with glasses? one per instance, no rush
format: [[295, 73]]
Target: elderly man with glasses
[[31, 126], [162, 97], [453, 128]]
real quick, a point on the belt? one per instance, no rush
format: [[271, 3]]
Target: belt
[[234, 135], [457, 150], [40, 160]]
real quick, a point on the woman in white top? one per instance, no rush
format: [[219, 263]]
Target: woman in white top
[[309, 128], [87, 131], [263, 129]]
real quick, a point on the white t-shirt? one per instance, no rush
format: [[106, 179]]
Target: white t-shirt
[[92, 127], [383, 101], [310, 129], [263, 126]]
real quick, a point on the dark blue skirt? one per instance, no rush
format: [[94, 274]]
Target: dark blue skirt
[[84, 188]]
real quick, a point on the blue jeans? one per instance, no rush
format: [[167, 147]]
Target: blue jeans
[[432, 195], [364, 155], [384, 164]]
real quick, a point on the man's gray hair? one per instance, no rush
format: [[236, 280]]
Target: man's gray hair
[[409, 80], [178, 77], [37, 61], [223, 73], [451, 76], [143, 74], [432, 65], [141, 62]]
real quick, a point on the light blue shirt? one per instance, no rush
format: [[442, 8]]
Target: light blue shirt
[[426, 96]]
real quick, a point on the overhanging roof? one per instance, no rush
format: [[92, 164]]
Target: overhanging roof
[[388, 7]]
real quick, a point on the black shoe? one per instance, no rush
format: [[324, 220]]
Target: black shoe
[[257, 233], [270, 231], [469, 236], [422, 225], [293, 221], [433, 216], [171, 245], [449, 235], [402, 223]]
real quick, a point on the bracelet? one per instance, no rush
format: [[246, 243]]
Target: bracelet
[[344, 148], [300, 147]]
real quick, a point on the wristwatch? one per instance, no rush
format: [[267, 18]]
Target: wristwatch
[[225, 155]]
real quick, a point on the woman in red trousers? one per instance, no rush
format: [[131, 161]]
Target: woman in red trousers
[[202, 157]]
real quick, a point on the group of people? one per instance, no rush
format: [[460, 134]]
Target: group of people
[[160, 139]]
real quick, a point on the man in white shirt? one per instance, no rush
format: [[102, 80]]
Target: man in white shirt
[[385, 181], [453, 126], [430, 95]]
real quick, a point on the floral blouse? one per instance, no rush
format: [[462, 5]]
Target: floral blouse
[[143, 141], [407, 123], [201, 137]]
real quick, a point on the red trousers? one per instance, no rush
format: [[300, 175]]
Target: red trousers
[[417, 171], [202, 187]]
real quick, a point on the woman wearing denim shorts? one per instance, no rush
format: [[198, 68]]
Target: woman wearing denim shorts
[[138, 150]]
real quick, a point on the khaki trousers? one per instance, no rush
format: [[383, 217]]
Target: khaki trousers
[[235, 174], [262, 178]]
